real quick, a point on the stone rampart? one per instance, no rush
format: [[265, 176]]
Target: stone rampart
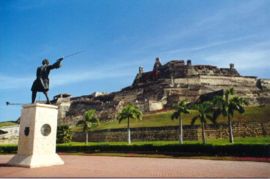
[[137, 134], [191, 88], [265, 84], [171, 133]]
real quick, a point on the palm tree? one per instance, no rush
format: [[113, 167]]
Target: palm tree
[[129, 112], [180, 108], [204, 110], [90, 120], [226, 105]]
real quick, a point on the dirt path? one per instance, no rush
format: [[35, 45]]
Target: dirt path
[[99, 166]]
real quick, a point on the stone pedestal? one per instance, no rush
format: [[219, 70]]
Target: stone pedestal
[[37, 137]]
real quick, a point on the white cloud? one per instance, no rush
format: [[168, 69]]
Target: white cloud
[[208, 24], [250, 57], [205, 46], [9, 82], [243, 60], [241, 10], [74, 77]]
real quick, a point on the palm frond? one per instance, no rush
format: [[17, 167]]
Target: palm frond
[[213, 120], [193, 120], [121, 117], [129, 111], [216, 113], [174, 115], [185, 111], [90, 119], [80, 122], [179, 108]]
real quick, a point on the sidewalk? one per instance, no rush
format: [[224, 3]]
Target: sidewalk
[[99, 166]]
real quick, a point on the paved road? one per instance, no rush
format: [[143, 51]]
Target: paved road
[[99, 166]]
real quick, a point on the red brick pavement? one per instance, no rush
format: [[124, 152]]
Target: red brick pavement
[[99, 166]]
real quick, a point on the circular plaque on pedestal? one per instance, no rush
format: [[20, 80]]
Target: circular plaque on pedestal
[[46, 129]]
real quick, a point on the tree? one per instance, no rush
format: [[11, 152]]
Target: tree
[[226, 105], [129, 112], [90, 120], [204, 110], [180, 108]]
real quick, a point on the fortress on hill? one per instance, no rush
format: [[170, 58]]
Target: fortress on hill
[[162, 87]]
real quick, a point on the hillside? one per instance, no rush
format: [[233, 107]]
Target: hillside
[[159, 119], [7, 123], [159, 89]]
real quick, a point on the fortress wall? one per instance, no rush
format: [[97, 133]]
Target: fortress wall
[[191, 88], [217, 81], [137, 134], [264, 95], [182, 91], [128, 96], [176, 94], [253, 129], [185, 88], [188, 81], [228, 81], [243, 86], [266, 83], [63, 108]]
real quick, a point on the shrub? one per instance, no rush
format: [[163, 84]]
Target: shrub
[[64, 134], [237, 150], [256, 150], [8, 149]]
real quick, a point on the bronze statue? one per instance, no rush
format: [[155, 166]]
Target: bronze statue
[[41, 84]]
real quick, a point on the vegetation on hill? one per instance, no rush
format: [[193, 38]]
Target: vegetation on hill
[[204, 110], [90, 120], [161, 119], [227, 105], [7, 123], [129, 112], [180, 108]]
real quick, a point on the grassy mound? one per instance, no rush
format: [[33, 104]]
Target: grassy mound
[[161, 119], [9, 123]]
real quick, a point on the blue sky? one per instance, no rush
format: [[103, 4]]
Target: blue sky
[[118, 36]]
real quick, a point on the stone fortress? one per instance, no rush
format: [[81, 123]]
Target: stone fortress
[[162, 87]]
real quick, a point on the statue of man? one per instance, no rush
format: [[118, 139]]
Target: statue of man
[[41, 84]]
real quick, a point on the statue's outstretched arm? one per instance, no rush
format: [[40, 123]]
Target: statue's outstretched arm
[[57, 64]]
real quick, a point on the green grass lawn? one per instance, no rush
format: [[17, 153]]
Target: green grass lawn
[[238, 140], [161, 119]]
